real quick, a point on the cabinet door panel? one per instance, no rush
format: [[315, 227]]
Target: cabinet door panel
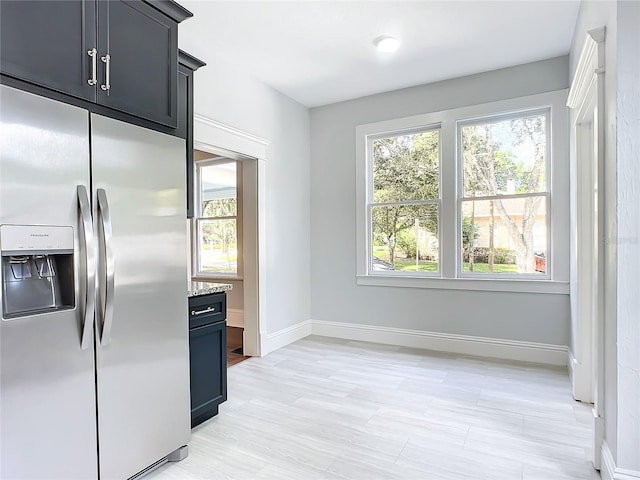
[[46, 43], [208, 354], [143, 48]]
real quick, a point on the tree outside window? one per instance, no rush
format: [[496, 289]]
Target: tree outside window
[[505, 198], [404, 211]]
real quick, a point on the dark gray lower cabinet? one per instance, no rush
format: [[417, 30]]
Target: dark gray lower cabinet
[[208, 358]]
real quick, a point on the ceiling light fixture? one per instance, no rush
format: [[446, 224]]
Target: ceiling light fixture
[[386, 44]]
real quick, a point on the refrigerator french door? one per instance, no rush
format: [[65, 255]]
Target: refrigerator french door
[[93, 335]]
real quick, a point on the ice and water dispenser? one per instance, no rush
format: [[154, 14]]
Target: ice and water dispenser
[[37, 269]]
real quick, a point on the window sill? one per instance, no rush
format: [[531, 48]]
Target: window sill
[[217, 278], [480, 284]]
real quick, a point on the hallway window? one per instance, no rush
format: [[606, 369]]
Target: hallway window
[[217, 221]]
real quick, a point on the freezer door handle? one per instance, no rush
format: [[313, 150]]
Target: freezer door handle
[[106, 304], [89, 272]]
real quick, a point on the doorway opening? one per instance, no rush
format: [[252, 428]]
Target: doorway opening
[[223, 232]]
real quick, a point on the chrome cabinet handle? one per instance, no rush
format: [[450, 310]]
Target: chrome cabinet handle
[[107, 74], [89, 281], [93, 53], [106, 305], [200, 312]]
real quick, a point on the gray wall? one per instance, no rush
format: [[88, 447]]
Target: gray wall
[[334, 293], [234, 98]]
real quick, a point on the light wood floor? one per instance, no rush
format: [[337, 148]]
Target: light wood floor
[[334, 409]]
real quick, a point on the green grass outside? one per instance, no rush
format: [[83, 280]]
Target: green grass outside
[[497, 267], [426, 266], [409, 265]]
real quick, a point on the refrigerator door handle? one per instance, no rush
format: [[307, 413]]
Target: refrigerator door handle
[[109, 267], [89, 281]]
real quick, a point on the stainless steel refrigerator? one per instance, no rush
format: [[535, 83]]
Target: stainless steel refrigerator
[[94, 335]]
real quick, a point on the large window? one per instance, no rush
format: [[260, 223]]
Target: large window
[[459, 198], [216, 224]]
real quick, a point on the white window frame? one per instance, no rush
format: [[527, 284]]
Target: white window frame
[[195, 236], [450, 275]]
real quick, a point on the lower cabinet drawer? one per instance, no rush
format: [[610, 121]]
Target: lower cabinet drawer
[[207, 309], [208, 361]]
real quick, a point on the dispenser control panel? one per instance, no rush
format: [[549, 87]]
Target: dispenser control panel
[[35, 238]]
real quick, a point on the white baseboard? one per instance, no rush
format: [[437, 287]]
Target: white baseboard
[[274, 341], [446, 342], [235, 317], [597, 439], [581, 380], [609, 471], [571, 363]]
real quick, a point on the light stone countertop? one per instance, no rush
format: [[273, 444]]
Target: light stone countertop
[[197, 289]]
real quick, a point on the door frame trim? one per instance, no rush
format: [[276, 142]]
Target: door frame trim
[[208, 134], [586, 100]]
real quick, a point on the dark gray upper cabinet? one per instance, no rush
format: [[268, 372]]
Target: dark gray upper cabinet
[[187, 65], [142, 68], [135, 65], [47, 44]]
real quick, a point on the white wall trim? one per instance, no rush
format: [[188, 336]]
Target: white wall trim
[[209, 134], [235, 317], [588, 65], [609, 470], [284, 337], [572, 369], [226, 136], [586, 99], [445, 342], [580, 376], [396, 279]]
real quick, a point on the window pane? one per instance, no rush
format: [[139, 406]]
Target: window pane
[[405, 238], [218, 245], [218, 190], [505, 157], [406, 167], [505, 236]]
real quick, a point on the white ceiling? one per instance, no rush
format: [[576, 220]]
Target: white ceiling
[[321, 52]]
